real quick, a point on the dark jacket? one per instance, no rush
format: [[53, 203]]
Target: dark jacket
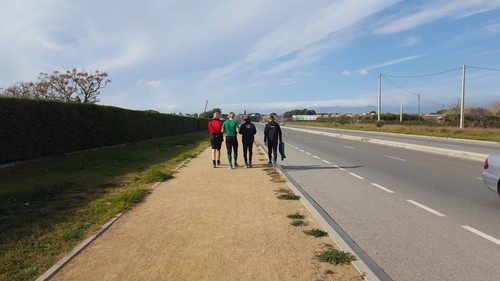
[[247, 130], [272, 132]]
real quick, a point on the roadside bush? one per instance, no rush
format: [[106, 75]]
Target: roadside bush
[[32, 129]]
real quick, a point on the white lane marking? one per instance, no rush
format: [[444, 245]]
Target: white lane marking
[[324, 141], [381, 187], [338, 167], [308, 153], [480, 179], [426, 208], [316, 157], [354, 175], [482, 234], [297, 148], [395, 158], [326, 162], [350, 147], [302, 150]]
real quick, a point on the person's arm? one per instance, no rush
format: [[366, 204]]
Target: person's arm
[[280, 133], [254, 129], [223, 128]]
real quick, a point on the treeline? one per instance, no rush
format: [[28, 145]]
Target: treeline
[[288, 115], [32, 129], [448, 119]]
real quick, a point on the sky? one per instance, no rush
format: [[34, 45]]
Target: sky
[[260, 55]]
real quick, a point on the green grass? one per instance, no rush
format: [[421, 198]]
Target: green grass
[[287, 194], [336, 257], [296, 216], [483, 134], [288, 197], [316, 232], [298, 223], [48, 206]]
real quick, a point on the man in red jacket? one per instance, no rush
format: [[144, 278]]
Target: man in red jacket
[[216, 137]]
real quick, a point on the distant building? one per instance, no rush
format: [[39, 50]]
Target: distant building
[[304, 117]]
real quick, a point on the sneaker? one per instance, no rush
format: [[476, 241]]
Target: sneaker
[[218, 162], [246, 166], [274, 163], [213, 162], [250, 165], [236, 165], [270, 163], [230, 167]]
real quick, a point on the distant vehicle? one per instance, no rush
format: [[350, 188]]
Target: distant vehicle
[[491, 173]]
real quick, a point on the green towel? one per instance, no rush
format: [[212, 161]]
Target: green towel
[[282, 150]]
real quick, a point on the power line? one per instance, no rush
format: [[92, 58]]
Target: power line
[[401, 87], [483, 68], [424, 75]]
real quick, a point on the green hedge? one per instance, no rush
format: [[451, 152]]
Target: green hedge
[[32, 129]]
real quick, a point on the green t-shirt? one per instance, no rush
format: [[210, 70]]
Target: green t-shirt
[[230, 127]]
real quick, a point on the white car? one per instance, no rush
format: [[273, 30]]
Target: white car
[[491, 173]]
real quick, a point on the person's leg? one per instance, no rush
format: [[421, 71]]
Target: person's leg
[[269, 152], [229, 147], [245, 150], [250, 152], [217, 156], [275, 152], [213, 156], [235, 147]]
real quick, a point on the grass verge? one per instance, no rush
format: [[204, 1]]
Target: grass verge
[[48, 206], [434, 131]]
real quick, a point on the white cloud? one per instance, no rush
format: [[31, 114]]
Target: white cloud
[[435, 10], [346, 73], [364, 71]]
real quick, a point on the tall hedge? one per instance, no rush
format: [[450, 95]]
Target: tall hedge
[[32, 129]]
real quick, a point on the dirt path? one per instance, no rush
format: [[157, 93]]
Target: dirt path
[[209, 224]]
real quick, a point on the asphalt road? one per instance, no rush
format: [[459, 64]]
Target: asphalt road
[[418, 215]]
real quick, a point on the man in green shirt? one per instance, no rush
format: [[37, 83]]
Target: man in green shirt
[[231, 129]]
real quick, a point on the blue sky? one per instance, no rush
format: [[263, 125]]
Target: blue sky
[[261, 56]]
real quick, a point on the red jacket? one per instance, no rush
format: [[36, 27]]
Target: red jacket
[[215, 126]]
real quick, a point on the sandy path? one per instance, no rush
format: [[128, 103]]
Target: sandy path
[[209, 224]]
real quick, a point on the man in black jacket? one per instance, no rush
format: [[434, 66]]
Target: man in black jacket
[[272, 134], [247, 130]]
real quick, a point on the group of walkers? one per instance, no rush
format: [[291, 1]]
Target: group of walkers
[[230, 127]]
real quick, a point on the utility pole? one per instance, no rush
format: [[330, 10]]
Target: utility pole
[[401, 114], [462, 101], [418, 106], [379, 95], [206, 103]]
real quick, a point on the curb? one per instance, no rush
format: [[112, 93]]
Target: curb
[[77, 250], [368, 269]]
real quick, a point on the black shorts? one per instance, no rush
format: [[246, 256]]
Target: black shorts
[[232, 144], [216, 140]]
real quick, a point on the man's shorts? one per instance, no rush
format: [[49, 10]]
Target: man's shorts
[[216, 140]]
